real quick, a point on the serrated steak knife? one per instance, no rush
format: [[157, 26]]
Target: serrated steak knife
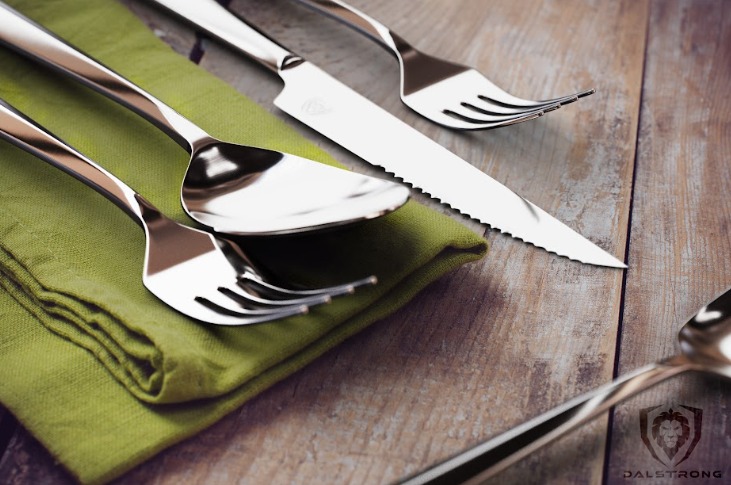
[[339, 113]]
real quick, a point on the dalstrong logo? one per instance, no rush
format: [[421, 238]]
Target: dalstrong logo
[[671, 433], [316, 107]]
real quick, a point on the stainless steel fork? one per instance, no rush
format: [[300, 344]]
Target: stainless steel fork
[[446, 93], [196, 273]]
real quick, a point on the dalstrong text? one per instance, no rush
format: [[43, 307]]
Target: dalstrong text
[[673, 474]]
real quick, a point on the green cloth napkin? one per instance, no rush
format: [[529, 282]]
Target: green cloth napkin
[[97, 368]]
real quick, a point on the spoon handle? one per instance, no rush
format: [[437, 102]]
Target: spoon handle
[[30, 39], [486, 459], [23, 132]]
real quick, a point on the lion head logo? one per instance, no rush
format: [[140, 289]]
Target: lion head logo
[[670, 430], [671, 433]]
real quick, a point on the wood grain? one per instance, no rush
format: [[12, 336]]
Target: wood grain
[[8, 428], [443, 373], [444, 369], [680, 249], [495, 342], [27, 462]]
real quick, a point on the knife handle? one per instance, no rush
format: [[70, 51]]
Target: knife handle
[[477, 464], [354, 18], [210, 17], [27, 37]]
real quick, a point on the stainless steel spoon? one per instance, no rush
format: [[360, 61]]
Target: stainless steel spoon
[[229, 188], [705, 346]]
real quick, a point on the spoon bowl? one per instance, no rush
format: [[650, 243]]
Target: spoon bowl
[[706, 339], [230, 188], [245, 190]]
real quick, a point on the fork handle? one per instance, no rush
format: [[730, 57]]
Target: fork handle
[[486, 459], [27, 37], [209, 16], [354, 18], [20, 130]]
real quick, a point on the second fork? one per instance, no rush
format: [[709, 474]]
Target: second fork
[[196, 273], [444, 92]]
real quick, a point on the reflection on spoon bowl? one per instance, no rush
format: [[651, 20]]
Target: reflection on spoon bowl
[[245, 190]]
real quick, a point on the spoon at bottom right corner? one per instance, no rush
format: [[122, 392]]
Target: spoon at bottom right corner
[[705, 346]]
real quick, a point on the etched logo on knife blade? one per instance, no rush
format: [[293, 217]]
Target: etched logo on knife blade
[[316, 107]]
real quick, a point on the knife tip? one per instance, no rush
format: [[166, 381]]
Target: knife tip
[[606, 260]]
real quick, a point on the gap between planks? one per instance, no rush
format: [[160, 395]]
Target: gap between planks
[[197, 52], [623, 291]]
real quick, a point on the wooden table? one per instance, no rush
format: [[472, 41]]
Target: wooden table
[[642, 168]]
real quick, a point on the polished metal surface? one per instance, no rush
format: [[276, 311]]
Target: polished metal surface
[[349, 119], [230, 188], [196, 273], [705, 346], [446, 93]]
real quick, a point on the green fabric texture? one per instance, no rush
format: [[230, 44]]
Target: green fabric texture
[[98, 369]]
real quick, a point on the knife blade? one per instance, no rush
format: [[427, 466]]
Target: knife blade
[[326, 105]]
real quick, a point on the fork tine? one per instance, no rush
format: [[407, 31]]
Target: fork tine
[[222, 303], [506, 108], [246, 296], [495, 107], [470, 123], [250, 275], [266, 287], [493, 114], [498, 97], [211, 313]]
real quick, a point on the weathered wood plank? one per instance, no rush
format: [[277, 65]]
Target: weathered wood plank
[[8, 427], [680, 251], [496, 342], [521, 312], [492, 344], [26, 461]]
